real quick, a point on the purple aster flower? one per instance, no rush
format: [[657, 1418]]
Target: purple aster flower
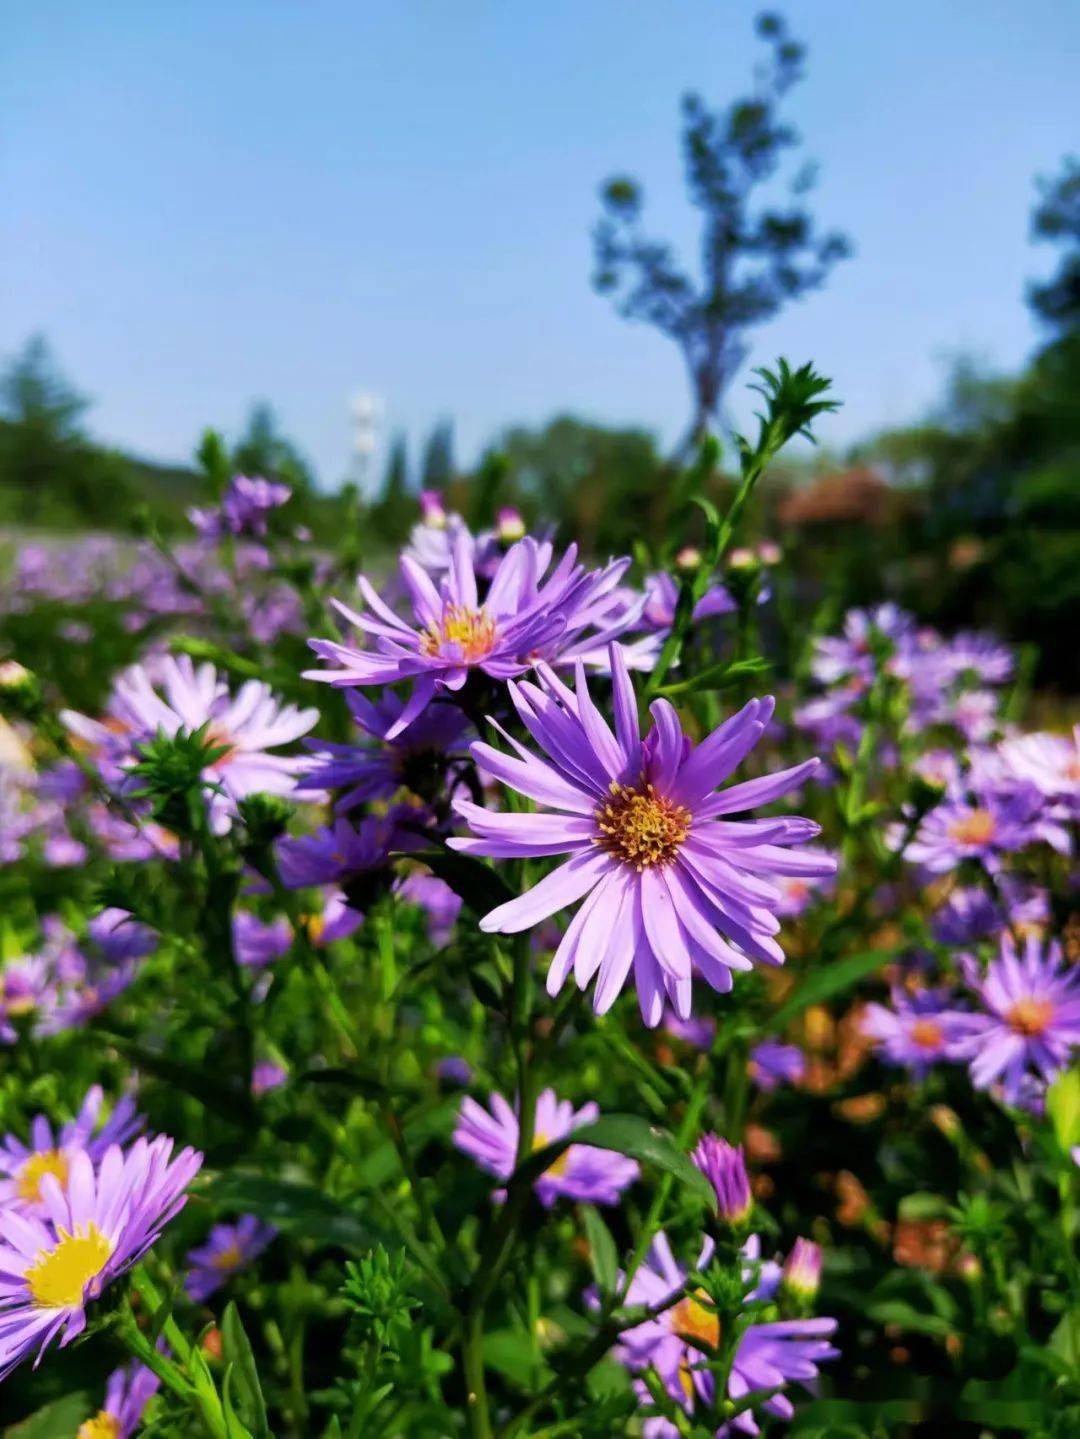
[[992, 823], [967, 916], [92, 1231], [228, 1248], [919, 1031], [981, 655], [699, 1031], [337, 921], [1050, 762], [246, 725], [257, 942], [116, 937], [415, 760], [128, 1391], [773, 1064], [267, 1076], [438, 901], [521, 618], [455, 1070], [841, 657], [342, 851], [724, 1166], [24, 1166], [662, 597], [432, 538], [582, 1172], [768, 1356], [670, 886], [1030, 1019], [244, 509], [27, 991]]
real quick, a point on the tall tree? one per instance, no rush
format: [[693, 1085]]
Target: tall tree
[[1056, 219], [395, 508], [754, 257], [263, 450], [437, 465], [49, 468]]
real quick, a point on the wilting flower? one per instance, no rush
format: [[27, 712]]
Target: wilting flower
[[670, 886], [768, 1356], [1030, 1020], [415, 759], [228, 1248], [522, 617], [724, 1166], [244, 509], [258, 942], [581, 1172], [773, 1064], [186, 697], [23, 1167], [128, 1391], [919, 1031], [92, 1231]]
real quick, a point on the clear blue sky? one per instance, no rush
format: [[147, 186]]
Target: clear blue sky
[[205, 203]]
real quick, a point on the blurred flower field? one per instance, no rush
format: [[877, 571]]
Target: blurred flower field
[[502, 990]]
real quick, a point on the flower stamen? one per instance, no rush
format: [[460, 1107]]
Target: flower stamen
[[472, 631], [640, 827]]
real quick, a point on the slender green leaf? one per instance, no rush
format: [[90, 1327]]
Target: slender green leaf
[[828, 980], [236, 1351], [603, 1256]]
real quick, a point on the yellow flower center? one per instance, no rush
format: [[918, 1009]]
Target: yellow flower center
[[473, 631], [541, 1141], [926, 1034], [228, 1258], [58, 1277], [978, 827], [694, 1319], [640, 827], [1030, 1017], [103, 1426], [48, 1161]]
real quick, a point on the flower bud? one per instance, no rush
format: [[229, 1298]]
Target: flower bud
[[509, 525], [724, 1166], [801, 1277], [688, 558]]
